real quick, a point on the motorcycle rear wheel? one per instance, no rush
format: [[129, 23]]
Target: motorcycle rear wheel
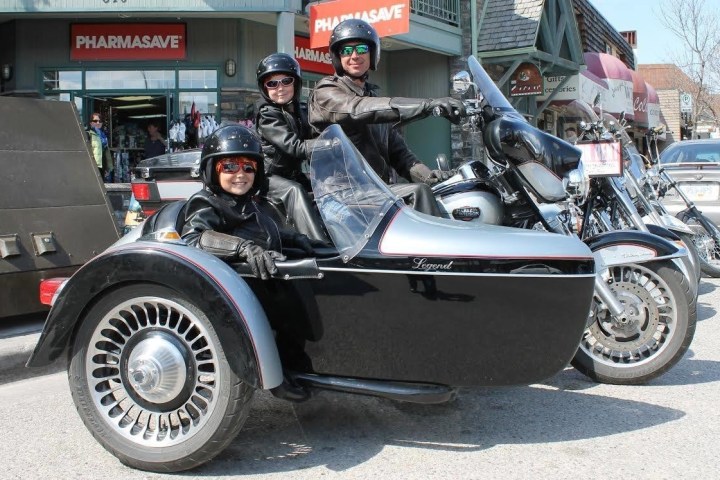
[[151, 381], [706, 242], [656, 333]]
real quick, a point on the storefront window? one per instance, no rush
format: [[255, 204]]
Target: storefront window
[[65, 97], [54, 80], [198, 79], [129, 79], [205, 102]]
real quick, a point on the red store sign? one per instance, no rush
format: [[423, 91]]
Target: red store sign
[[136, 41], [388, 17], [315, 60]]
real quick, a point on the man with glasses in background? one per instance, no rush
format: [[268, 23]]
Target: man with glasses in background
[[99, 145], [369, 121]]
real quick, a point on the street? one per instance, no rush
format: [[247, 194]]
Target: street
[[565, 427]]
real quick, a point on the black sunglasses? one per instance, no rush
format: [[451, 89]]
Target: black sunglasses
[[347, 50], [276, 83], [96, 120]]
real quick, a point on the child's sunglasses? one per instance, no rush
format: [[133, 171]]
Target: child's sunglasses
[[234, 165], [347, 50], [271, 84]]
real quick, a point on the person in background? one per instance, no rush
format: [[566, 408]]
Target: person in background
[[570, 135], [369, 121], [155, 144], [285, 133], [99, 146]]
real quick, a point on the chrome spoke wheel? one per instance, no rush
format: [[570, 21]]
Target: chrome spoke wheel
[[152, 371], [646, 327]]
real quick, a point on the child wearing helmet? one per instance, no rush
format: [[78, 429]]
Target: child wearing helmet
[[227, 218], [348, 99], [285, 135]]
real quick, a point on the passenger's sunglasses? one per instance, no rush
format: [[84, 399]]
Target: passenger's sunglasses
[[234, 165], [96, 120], [347, 50], [272, 84]]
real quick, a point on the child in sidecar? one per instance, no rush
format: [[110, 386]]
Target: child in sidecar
[[226, 218]]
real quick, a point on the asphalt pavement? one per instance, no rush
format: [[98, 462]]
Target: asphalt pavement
[[18, 337]]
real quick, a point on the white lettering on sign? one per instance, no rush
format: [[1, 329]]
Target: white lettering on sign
[[383, 14], [127, 41], [313, 55]]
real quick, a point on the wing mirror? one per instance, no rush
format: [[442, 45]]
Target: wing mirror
[[461, 82]]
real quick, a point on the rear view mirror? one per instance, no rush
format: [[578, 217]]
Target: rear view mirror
[[461, 82]]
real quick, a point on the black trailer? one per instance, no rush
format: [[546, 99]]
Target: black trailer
[[54, 212]]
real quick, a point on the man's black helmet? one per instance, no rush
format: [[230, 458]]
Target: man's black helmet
[[279, 63], [229, 141], [355, 30]]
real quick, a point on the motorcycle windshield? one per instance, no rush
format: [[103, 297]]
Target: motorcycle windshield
[[634, 162], [352, 199], [571, 115], [490, 93]]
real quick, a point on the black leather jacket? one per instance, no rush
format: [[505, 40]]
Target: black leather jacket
[[368, 121], [284, 130], [244, 217]]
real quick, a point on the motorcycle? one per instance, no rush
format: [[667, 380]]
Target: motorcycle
[[166, 344], [644, 310], [618, 202], [704, 234]]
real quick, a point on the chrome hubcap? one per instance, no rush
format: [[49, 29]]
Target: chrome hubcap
[[156, 370], [153, 371]]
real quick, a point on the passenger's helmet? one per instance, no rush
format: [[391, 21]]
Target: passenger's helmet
[[279, 63], [229, 141], [355, 30]]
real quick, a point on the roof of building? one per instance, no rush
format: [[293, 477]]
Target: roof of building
[[510, 24]]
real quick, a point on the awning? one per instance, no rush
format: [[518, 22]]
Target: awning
[[619, 79], [640, 100], [584, 86], [653, 108]]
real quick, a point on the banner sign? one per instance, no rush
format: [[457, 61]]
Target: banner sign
[[526, 80], [122, 41], [315, 60], [389, 17]]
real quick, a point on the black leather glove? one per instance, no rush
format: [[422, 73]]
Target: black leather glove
[[447, 107], [420, 173], [261, 261]]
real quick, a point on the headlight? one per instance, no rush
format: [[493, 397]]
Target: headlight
[[577, 184]]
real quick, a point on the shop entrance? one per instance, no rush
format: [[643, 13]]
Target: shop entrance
[[126, 118]]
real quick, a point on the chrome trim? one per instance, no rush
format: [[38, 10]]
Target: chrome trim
[[456, 274]]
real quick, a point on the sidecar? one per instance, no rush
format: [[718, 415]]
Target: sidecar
[[166, 343]]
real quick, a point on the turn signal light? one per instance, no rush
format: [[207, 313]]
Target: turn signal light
[[49, 287]]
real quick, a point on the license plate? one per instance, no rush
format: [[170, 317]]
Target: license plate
[[701, 191]]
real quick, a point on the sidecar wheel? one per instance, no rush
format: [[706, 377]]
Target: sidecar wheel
[[655, 334], [151, 381]]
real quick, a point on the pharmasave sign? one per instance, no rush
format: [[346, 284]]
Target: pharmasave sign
[[137, 41], [315, 60], [389, 17]]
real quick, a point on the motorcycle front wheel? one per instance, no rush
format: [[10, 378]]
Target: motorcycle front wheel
[[151, 381], [652, 335], [707, 243]]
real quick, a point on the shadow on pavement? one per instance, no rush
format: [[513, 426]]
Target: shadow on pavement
[[342, 431]]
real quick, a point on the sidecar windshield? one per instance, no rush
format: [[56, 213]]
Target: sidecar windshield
[[351, 198]]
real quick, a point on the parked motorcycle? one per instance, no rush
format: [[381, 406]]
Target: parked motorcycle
[[656, 182], [644, 312], [618, 202]]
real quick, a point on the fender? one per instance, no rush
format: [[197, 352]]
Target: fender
[[669, 223], [237, 315], [620, 247]]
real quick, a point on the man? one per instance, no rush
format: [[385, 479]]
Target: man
[[348, 99], [571, 135], [155, 143]]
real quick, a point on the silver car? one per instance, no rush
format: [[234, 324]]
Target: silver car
[[695, 166]]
